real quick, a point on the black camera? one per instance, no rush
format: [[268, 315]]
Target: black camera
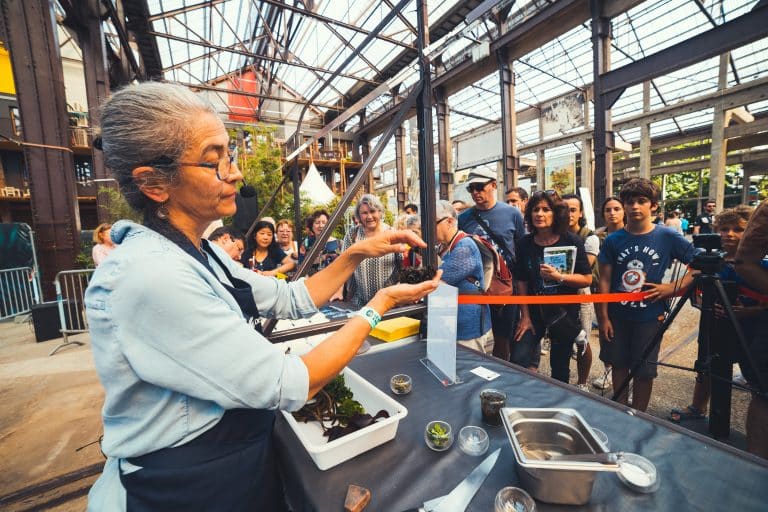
[[710, 242], [708, 255]]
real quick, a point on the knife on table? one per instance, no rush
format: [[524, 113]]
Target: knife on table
[[458, 499]]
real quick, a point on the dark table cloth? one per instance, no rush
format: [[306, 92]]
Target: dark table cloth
[[696, 473]]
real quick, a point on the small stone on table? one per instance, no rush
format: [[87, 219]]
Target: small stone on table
[[357, 498]]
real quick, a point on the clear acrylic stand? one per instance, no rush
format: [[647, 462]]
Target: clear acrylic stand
[[442, 307]]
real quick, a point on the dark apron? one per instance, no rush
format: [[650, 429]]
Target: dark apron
[[231, 467]]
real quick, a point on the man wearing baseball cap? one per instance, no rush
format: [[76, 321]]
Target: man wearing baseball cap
[[502, 225]]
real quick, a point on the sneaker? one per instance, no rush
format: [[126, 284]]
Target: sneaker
[[738, 378], [583, 387], [603, 382]]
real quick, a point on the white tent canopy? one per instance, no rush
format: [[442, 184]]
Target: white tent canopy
[[314, 187]]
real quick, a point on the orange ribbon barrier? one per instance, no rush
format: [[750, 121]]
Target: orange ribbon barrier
[[752, 294], [551, 299]]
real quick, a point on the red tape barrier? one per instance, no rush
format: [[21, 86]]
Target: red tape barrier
[[752, 294], [551, 299]]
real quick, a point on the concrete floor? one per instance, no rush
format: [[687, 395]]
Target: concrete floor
[[50, 419]]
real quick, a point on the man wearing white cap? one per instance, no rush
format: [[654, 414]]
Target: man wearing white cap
[[502, 225]]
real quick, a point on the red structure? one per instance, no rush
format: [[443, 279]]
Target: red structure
[[243, 107]]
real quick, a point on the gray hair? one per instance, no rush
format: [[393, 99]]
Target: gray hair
[[444, 209], [372, 201], [142, 123], [413, 222]]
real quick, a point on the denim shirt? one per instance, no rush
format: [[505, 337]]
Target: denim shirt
[[173, 350]]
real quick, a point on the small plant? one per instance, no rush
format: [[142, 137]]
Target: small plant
[[439, 434], [400, 384]]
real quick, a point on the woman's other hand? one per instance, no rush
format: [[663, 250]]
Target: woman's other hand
[[400, 294], [387, 242]]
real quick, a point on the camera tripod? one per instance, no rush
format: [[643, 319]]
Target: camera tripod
[[713, 359]]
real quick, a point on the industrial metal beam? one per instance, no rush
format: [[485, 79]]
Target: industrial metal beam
[[444, 145], [331, 21], [203, 87], [252, 55], [90, 34], [510, 163], [732, 34], [426, 147], [30, 29], [602, 139]]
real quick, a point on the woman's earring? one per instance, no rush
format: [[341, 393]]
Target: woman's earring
[[162, 211]]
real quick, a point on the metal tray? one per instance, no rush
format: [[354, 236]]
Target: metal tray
[[538, 434]]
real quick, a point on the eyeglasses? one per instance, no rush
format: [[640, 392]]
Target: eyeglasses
[[477, 187], [441, 220], [223, 167]]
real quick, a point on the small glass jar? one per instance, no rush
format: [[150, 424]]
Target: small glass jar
[[513, 499], [400, 384], [473, 440], [438, 435], [491, 403]]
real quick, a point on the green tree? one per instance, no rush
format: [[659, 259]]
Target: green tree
[[116, 206], [262, 167]]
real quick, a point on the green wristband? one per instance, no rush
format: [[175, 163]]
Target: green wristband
[[370, 315]]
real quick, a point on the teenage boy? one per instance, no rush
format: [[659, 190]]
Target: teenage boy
[[634, 259]]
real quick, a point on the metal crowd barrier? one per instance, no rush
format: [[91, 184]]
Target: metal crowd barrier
[[19, 290], [70, 289]]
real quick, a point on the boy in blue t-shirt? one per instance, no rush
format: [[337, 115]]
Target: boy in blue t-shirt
[[634, 259]]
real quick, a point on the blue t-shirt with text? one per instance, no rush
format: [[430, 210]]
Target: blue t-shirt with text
[[637, 260]]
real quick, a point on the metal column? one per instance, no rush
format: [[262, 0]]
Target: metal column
[[510, 163], [603, 139], [401, 180], [645, 134], [90, 35], [426, 148], [719, 147], [29, 27], [444, 144]]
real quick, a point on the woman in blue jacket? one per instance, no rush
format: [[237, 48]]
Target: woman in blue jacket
[[191, 389]]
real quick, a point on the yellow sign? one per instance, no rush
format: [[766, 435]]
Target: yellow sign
[[6, 73]]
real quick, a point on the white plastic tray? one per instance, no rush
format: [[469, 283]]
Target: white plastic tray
[[329, 454]]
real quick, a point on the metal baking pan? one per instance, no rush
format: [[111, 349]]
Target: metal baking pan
[[538, 437]]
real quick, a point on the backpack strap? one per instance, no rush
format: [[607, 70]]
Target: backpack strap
[[460, 236], [499, 242]]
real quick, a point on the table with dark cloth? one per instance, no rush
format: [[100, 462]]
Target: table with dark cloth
[[696, 473]]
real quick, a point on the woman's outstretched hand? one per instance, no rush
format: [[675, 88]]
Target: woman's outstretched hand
[[401, 294], [387, 242]]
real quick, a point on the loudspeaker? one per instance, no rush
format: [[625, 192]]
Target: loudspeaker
[[45, 318]]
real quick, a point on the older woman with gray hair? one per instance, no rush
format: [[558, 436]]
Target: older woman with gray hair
[[462, 267], [191, 388], [374, 273]]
